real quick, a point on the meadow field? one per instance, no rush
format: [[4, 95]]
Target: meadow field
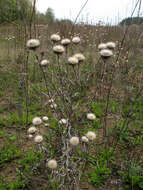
[[71, 111]]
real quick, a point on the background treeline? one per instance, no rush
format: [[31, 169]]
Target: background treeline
[[22, 10], [133, 20], [14, 10]]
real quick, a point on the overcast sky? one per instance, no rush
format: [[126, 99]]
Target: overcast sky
[[104, 10]]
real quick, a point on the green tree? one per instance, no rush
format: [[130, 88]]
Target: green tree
[[64, 21], [49, 15], [8, 10], [132, 20], [24, 9], [11, 10]]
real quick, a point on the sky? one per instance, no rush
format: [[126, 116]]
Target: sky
[[111, 11]]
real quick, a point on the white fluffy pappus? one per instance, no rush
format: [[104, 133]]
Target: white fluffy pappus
[[47, 124], [91, 135], [53, 106], [33, 43], [65, 42], [32, 130], [52, 164], [55, 37], [106, 53], [63, 121], [38, 139], [102, 46], [91, 116], [72, 60], [30, 136], [111, 45], [51, 101], [79, 56], [84, 139], [45, 118], [74, 141], [58, 49], [76, 40], [44, 62], [37, 121]]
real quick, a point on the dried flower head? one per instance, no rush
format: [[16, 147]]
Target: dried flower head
[[91, 116], [76, 40], [55, 37], [74, 141], [63, 121], [58, 49], [106, 53], [80, 57], [38, 139], [111, 45], [53, 106], [84, 139], [45, 118], [30, 136], [102, 46], [33, 44], [65, 42], [37, 121], [91, 135], [52, 164], [47, 125], [51, 101], [32, 130], [44, 62], [72, 60]]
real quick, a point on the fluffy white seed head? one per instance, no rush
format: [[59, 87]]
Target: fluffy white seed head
[[38, 139], [65, 42], [106, 53], [91, 135], [32, 130], [84, 139], [102, 46], [74, 141], [72, 60], [111, 45], [52, 164], [47, 125], [44, 62], [91, 116], [33, 43], [45, 118], [30, 136], [76, 40], [53, 106], [51, 101], [63, 121], [37, 121], [79, 56], [58, 49], [55, 37]]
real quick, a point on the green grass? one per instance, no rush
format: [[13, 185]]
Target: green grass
[[9, 152]]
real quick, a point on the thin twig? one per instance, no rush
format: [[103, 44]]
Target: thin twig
[[79, 15]]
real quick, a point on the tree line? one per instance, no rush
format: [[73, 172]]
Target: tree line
[[11, 10], [21, 10], [132, 20]]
